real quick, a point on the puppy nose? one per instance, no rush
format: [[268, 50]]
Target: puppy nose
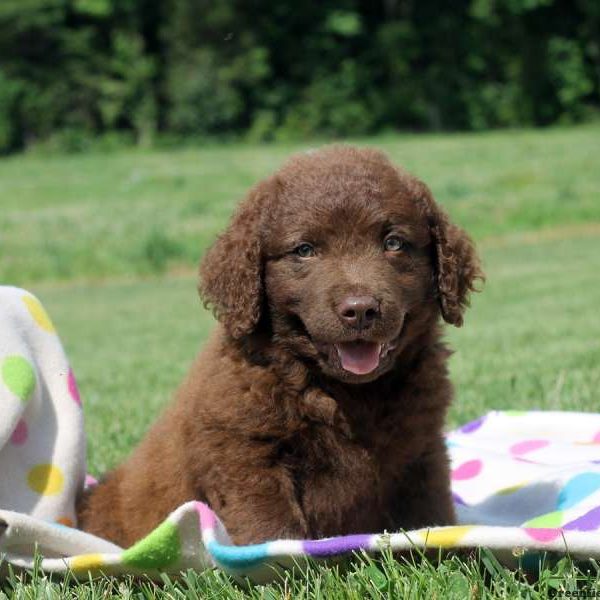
[[358, 311]]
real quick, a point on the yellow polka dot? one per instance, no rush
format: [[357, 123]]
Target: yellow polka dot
[[86, 562], [39, 314], [66, 521], [446, 537], [510, 490], [46, 479]]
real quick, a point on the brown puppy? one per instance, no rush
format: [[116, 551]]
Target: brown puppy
[[317, 406]]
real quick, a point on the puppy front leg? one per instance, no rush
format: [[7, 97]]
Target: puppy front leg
[[253, 494], [424, 498]]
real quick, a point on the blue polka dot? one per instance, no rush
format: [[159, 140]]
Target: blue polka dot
[[238, 556], [577, 489]]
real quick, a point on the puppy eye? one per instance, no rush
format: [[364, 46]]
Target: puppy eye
[[393, 243], [304, 250]]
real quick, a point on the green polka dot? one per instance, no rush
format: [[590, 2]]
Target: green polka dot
[[515, 413], [157, 550], [549, 520], [18, 376]]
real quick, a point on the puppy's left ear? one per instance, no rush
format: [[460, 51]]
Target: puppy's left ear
[[231, 271], [457, 265]]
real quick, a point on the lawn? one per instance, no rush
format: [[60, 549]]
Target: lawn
[[109, 242], [139, 213]]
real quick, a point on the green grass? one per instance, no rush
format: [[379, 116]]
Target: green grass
[[531, 339], [480, 576], [146, 212]]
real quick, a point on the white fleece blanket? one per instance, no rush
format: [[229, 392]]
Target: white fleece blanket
[[523, 482]]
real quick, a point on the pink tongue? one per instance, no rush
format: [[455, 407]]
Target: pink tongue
[[359, 358]]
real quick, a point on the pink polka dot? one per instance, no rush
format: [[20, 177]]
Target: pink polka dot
[[467, 470], [20, 433], [207, 518], [90, 481], [526, 460], [596, 438], [73, 389], [542, 534], [527, 446]]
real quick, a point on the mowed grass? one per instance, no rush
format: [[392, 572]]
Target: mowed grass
[[148, 212], [531, 338]]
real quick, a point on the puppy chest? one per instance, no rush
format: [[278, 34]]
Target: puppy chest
[[338, 484]]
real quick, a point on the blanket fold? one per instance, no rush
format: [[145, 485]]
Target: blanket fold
[[523, 482]]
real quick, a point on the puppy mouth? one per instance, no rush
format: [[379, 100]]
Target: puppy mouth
[[359, 356]]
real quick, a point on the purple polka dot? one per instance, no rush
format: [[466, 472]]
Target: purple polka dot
[[338, 545], [20, 433], [588, 522], [472, 426], [458, 500]]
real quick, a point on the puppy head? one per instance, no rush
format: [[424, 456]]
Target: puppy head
[[345, 259]]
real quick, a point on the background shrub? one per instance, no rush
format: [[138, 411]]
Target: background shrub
[[71, 70]]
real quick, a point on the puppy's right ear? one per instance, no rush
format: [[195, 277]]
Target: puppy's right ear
[[457, 266], [231, 271]]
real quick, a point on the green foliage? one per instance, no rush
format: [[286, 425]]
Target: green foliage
[[125, 87], [9, 112], [568, 75], [333, 104], [195, 68], [203, 97]]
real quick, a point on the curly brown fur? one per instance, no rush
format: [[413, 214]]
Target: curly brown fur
[[317, 407]]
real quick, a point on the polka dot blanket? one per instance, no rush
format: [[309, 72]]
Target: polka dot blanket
[[523, 482]]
